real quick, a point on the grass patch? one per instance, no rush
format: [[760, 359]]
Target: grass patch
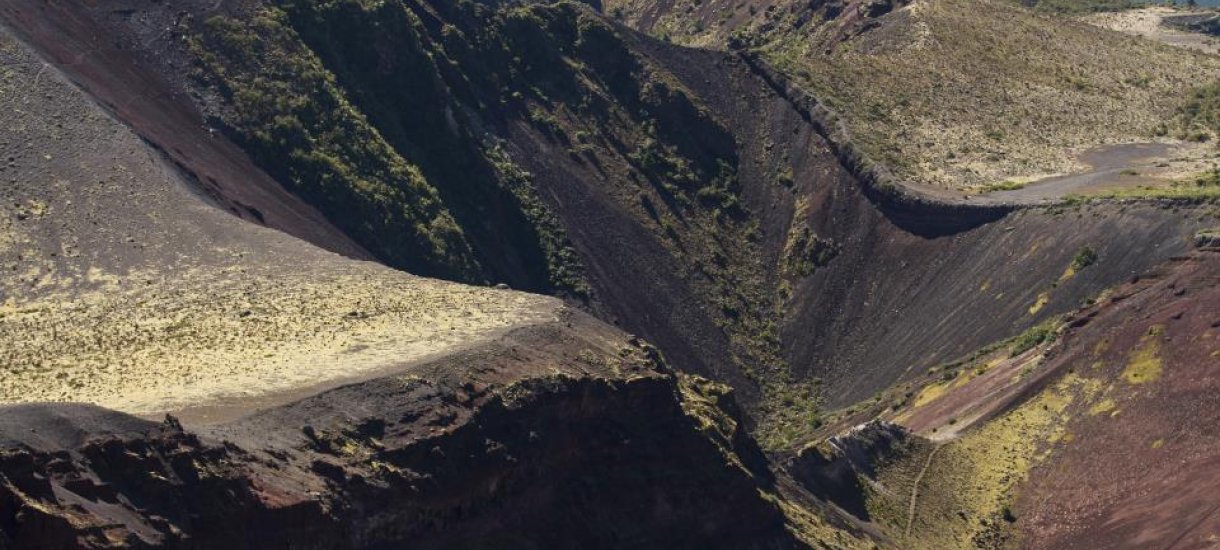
[[1084, 258], [1003, 186], [1204, 186], [1198, 118], [1144, 363], [1103, 406], [1081, 7], [1035, 336], [1040, 303], [805, 251], [930, 394]]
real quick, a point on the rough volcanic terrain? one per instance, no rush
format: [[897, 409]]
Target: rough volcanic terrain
[[458, 274], [746, 315], [567, 434]]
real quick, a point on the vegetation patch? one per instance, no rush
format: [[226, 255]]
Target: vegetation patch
[[1033, 337], [1198, 118], [1080, 7], [1003, 186], [1103, 406], [1144, 363], [287, 110], [960, 494], [1043, 299], [930, 394], [939, 93], [1201, 187], [1084, 258], [805, 251], [567, 273]]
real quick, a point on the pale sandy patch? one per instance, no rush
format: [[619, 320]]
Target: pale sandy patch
[[209, 335], [1146, 22]]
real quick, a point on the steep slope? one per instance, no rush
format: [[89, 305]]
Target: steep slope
[[518, 444], [329, 402], [693, 197], [127, 287], [165, 118], [1096, 430], [1137, 461]]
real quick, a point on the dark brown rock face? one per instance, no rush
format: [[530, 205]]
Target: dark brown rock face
[[557, 437]]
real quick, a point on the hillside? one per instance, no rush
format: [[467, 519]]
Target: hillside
[[290, 226], [130, 288], [943, 93], [745, 232], [315, 388], [1092, 430]]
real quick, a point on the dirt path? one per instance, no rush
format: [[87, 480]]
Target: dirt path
[[1147, 23], [1111, 168], [915, 489]]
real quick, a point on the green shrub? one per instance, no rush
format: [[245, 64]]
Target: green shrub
[[287, 110], [1035, 336], [1198, 119], [1085, 257]]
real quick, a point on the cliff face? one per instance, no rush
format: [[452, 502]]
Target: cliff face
[[569, 435]]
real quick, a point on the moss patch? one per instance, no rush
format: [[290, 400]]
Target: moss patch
[[1103, 406], [930, 394]]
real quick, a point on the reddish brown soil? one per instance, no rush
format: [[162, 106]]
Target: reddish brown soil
[[1145, 474]]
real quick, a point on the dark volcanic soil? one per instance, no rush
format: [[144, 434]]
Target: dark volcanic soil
[[688, 196], [918, 283], [163, 115], [567, 435]]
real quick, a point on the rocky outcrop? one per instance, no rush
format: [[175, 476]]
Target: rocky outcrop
[[567, 436], [837, 469], [1208, 239]]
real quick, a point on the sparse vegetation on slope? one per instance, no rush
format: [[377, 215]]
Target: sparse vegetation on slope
[[1198, 119], [225, 334], [1202, 188], [293, 118], [455, 101], [940, 93], [943, 95], [1075, 7]]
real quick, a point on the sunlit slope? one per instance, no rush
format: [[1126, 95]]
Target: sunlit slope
[[127, 288], [955, 93]]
